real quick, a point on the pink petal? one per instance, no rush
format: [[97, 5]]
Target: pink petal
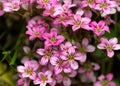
[[104, 40], [20, 82], [73, 74], [110, 53], [101, 23], [83, 57], [21, 69], [96, 66], [33, 76], [85, 42], [113, 40], [116, 47], [67, 1], [97, 84], [67, 81], [60, 39], [43, 84], [53, 32], [77, 56], [68, 44], [109, 76], [102, 77], [93, 24], [57, 69], [74, 65], [54, 60], [71, 51], [40, 51], [74, 27], [101, 46], [44, 61], [26, 49], [81, 70], [106, 28], [91, 76], [85, 20], [90, 48], [48, 73], [112, 84], [36, 81]]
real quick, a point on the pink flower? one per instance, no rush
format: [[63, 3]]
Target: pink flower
[[36, 22], [99, 28], [105, 80], [12, 5], [85, 47], [62, 19], [89, 67], [71, 56], [60, 65], [52, 38], [47, 2], [67, 47], [29, 69], [106, 6], [36, 32], [23, 82], [90, 3], [109, 45], [46, 55], [49, 11], [65, 8], [87, 72], [79, 22], [43, 78]]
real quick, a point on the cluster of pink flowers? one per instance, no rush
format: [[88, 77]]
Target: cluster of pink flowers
[[61, 57]]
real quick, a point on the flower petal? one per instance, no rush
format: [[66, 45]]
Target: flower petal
[[66, 81], [85, 42], [110, 53], [74, 65], [113, 40], [90, 48], [20, 69], [116, 47]]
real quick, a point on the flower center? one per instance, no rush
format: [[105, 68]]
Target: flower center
[[36, 34], [51, 11], [44, 78], [70, 57], [45, 1], [90, 1], [98, 29], [28, 71], [60, 63], [103, 5], [82, 50], [88, 66], [62, 18], [0, 6], [109, 47], [78, 23], [48, 53], [15, 6], [53, 39], [104, 83]]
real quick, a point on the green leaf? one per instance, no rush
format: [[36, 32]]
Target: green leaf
[[12, 62], [6, 53]]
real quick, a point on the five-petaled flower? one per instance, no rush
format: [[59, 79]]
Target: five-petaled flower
[[109, 45], [52, 38], [43, 78], [29, 69]]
